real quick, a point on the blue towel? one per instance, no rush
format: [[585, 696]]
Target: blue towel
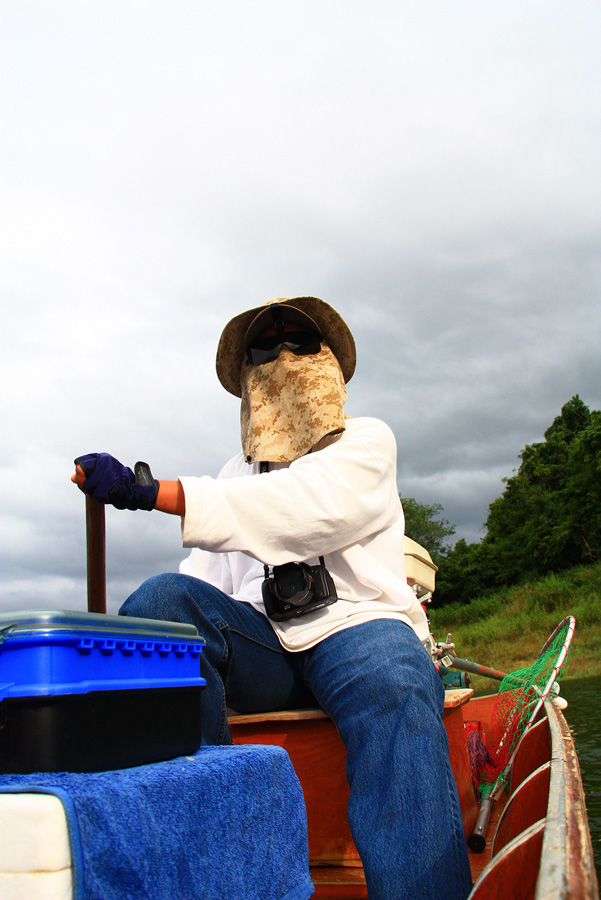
[[228, 823]]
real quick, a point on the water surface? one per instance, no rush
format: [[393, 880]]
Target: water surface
[[584, 718]]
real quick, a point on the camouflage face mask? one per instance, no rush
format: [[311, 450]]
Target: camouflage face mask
[[290, 404]]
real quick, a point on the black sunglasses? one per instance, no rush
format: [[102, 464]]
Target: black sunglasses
[[301, 342]]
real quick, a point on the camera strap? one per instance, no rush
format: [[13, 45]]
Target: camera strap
[[264, 467], [317, 591]]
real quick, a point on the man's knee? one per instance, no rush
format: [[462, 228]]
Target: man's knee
[[159, 597]]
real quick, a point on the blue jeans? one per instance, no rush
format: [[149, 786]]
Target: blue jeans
[[379, 686]]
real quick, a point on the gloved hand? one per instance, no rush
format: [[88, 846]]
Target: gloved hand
[[108, 481]]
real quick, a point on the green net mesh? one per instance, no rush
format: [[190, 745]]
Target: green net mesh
[[519, 693]]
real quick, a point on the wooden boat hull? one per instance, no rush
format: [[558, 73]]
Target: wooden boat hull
[[539, 845]]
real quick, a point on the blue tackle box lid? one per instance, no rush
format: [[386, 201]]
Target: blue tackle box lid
[[47, 652], [52, 620]]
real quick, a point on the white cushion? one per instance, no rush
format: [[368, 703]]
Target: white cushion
[[36, 885], [33, 834]]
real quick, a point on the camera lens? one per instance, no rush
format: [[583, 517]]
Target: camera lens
[[292, 584]]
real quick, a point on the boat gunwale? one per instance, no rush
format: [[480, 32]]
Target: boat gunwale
[[567, 867]]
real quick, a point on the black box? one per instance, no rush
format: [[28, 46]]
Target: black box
[[85, 692]]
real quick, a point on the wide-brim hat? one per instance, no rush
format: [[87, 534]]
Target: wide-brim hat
[[232, 344]]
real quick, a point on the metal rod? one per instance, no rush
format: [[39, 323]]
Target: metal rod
[[466, 665], [477, 839], [96, 555]]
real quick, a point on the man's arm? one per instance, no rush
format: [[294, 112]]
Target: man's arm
[[322, 502], [171, 498]]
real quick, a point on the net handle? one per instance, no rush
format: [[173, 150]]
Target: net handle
[[548, 685], [568, 640]]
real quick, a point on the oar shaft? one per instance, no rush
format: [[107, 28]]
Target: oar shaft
[[96, 555]]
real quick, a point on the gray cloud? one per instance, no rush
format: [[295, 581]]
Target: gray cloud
[[430, 169]]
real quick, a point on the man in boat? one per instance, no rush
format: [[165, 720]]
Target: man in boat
[[296, 581]]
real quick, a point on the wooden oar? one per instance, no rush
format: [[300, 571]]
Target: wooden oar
[[96, 555]]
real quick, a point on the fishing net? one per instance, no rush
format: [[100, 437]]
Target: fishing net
[[520, 696]]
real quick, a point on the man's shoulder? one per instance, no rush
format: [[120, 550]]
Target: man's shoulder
[[368, 426], [371, 435]]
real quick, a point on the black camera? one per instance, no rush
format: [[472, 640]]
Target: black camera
[[296, 589]]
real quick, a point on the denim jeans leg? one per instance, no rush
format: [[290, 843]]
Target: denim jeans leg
[[243, 662], [381, 689]]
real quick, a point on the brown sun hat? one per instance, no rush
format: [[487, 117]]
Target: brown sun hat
[[232, 344]]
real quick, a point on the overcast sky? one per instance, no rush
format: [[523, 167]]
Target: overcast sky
[[430, 168]]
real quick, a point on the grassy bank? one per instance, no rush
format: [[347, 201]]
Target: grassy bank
[[507, 629]]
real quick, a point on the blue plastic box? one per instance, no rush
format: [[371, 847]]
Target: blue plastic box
[[89, 692]]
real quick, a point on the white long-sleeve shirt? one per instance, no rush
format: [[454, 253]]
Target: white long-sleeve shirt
[[340, 502]]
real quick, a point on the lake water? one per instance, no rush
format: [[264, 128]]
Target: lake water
[[584, 718]]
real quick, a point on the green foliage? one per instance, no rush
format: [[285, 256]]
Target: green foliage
[[531, 526], [583, 488], [547, 518], [506, 628], [423, 523], [461, 574]]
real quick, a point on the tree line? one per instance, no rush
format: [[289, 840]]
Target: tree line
[[548, 518]]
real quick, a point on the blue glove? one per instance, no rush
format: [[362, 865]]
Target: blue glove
[[108, 481]]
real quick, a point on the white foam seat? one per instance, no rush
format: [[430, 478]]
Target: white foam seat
[[35, 852]]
